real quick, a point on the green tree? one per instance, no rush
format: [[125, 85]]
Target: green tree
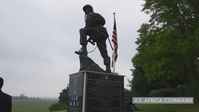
[[62, 102], [63, 96], [140, 87], [127, 94], [168, 44]]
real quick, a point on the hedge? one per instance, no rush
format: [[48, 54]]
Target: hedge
[[189, 90], [165, 92]]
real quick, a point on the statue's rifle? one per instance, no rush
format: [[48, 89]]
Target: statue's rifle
[[110, 43], [93, 43]]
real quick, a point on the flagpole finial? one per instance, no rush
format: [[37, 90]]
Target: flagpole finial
[[114, 15]]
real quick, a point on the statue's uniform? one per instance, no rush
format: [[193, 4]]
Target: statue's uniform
[[95, 30]]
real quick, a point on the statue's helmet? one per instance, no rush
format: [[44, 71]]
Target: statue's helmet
[[87, 7]]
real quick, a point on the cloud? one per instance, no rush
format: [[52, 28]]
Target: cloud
[[38, 39]]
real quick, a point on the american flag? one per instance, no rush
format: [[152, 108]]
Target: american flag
[[115, 44]]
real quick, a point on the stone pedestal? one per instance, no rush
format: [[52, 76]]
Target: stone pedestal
[[95, 92]]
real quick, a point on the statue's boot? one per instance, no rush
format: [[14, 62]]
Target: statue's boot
[[107, 64], [82, 51], [108, 69]]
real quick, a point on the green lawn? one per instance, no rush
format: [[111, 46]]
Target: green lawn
[[187, 108], [42, 106], [31, 105], [61, 111], [169, 107], [166, 108]]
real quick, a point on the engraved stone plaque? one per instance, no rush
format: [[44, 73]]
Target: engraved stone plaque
[[104, 93], [75, 92], [95, 92]]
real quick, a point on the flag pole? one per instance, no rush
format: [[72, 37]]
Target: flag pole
[[113, 48]]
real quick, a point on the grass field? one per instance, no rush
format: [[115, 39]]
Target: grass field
[[42, 106], [169, 107], [62, 111], [31, 105]]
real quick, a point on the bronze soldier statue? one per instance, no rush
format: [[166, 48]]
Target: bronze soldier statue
[[94, 28]]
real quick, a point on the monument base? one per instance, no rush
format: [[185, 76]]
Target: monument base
[[95, 92]]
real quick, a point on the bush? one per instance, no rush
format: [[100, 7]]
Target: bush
[[57, 106], [189, 90], [165, 92]]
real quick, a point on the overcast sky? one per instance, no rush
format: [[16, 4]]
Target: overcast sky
[[38, 39]]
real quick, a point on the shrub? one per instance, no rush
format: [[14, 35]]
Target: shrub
[[189, 90], [165, 92], [57, 106]]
